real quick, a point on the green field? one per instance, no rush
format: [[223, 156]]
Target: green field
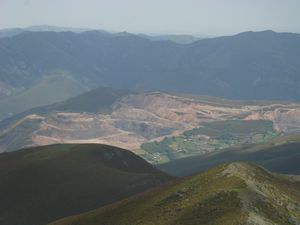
[[210, 137]]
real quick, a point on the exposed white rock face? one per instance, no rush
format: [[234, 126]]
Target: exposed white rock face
[[140, 118]]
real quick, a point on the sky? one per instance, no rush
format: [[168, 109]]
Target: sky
[[196, 17]]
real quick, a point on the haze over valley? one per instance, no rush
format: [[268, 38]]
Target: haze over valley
[[250, 65], [149, 112]]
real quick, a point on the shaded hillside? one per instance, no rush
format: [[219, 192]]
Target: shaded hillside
[[43, 184], [250, 65], [99, 100], [48, 90], [281, 158], [234, 194]]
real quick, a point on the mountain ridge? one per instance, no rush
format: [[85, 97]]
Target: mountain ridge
[[229, 194], [251, 65]]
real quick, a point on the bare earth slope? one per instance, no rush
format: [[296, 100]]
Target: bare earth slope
[[135, 119]]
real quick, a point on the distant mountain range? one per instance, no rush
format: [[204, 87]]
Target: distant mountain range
[[179, 39], [9, 32], [176, 38], [250, 65]]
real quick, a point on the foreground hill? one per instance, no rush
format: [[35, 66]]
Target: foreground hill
[[234, 194], [250, 65], [282, 156], [43, 184]]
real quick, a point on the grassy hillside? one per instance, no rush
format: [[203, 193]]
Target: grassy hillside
[[234, 194], [281, 155], [43, 184], [47, 91]]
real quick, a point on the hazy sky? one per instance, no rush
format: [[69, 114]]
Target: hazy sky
[[203, 17]]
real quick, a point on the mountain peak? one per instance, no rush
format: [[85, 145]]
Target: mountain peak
[[124, 34], [240, 168], [251, 33]]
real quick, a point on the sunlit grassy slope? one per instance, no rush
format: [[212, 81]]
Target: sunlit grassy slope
[[231, 194], [43, 184]]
